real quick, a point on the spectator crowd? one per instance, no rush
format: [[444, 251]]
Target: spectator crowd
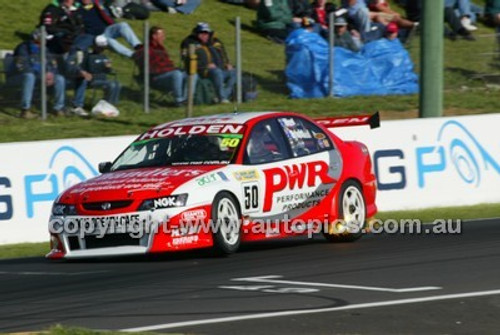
[[80, 33]]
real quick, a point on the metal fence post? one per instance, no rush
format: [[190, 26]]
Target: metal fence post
[[43, 74], [239, 90], [331, 53], [146, 67], [192, 70], [431, 83]]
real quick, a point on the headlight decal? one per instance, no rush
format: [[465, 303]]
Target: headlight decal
[[170, 201]]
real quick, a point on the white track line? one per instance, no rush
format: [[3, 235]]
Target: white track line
[[272, 279], [312, 311]]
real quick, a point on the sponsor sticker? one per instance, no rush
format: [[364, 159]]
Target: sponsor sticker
[[194, 215], [246, 175]]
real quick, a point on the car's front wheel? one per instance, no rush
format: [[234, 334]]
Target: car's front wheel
[[226, 221], [351, 214]]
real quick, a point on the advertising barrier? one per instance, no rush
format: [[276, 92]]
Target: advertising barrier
[[32, 174], [419, 163], [439, 162]]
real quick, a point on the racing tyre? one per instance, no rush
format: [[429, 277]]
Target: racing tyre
[[226, 220], [352, 215]]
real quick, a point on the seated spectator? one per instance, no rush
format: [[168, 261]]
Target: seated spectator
[[98, 21], [384, 10], [213, 61], [414, 11], [99, 66], [274, 19], [321, 11], [91, 71], [464, 10], [65, 26], [177, 6], [300, 9], [343, 37], [127, 9], [359, 14], [26, 72], [164, 75]]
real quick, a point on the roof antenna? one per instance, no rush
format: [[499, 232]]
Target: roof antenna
[[235, 108]]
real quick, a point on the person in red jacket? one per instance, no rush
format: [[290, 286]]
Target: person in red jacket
[[97, 21], [163, 74]]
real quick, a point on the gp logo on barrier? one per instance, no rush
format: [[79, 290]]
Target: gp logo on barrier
[[467, 155], [67, 167], [455, 146]]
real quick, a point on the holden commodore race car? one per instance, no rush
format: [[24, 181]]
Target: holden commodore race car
[[218, 181]]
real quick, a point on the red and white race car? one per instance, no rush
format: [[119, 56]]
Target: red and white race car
[[219, 181]]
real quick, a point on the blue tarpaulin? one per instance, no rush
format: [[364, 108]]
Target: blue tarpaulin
[[382, 67]]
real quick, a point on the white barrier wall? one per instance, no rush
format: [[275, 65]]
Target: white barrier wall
[[434, 162], [419, 163], [32, 174]]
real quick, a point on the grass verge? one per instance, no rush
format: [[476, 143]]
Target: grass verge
[[427, 215]]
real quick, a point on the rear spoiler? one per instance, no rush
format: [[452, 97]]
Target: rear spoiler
[[347, 121]]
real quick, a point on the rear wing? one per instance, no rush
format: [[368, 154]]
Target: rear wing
[[347, 121]]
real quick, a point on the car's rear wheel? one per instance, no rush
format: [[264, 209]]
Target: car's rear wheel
[[226, 223], [352, 215]]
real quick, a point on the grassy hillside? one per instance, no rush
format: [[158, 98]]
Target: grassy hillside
[[260, 56]]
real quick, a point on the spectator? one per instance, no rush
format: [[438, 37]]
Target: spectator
[[65, 25], [300, 9], [274, 19], [99, 66], [91, 71], [97, 21], [384, 10], [342, 36], [464, 10], [164, 75], [27, 72], [321, 10], [213, 61], [359, 14], [127, 9], [414, 11], [177, 6]]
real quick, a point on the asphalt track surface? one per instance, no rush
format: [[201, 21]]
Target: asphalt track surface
[[381, 284]]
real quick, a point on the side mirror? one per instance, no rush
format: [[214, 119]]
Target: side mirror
[[105, 167]]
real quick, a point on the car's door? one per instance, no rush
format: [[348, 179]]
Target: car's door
[[295, 165]]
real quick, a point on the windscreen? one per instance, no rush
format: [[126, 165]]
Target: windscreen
[[198, 149]]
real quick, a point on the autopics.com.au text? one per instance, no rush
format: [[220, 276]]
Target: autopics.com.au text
[[137, 228]]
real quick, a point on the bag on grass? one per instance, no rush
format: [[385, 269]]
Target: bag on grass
[[104, 108], [249, 87], [205, 92]]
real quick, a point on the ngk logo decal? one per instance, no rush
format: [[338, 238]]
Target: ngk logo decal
[[294, 176], [165, 202]]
